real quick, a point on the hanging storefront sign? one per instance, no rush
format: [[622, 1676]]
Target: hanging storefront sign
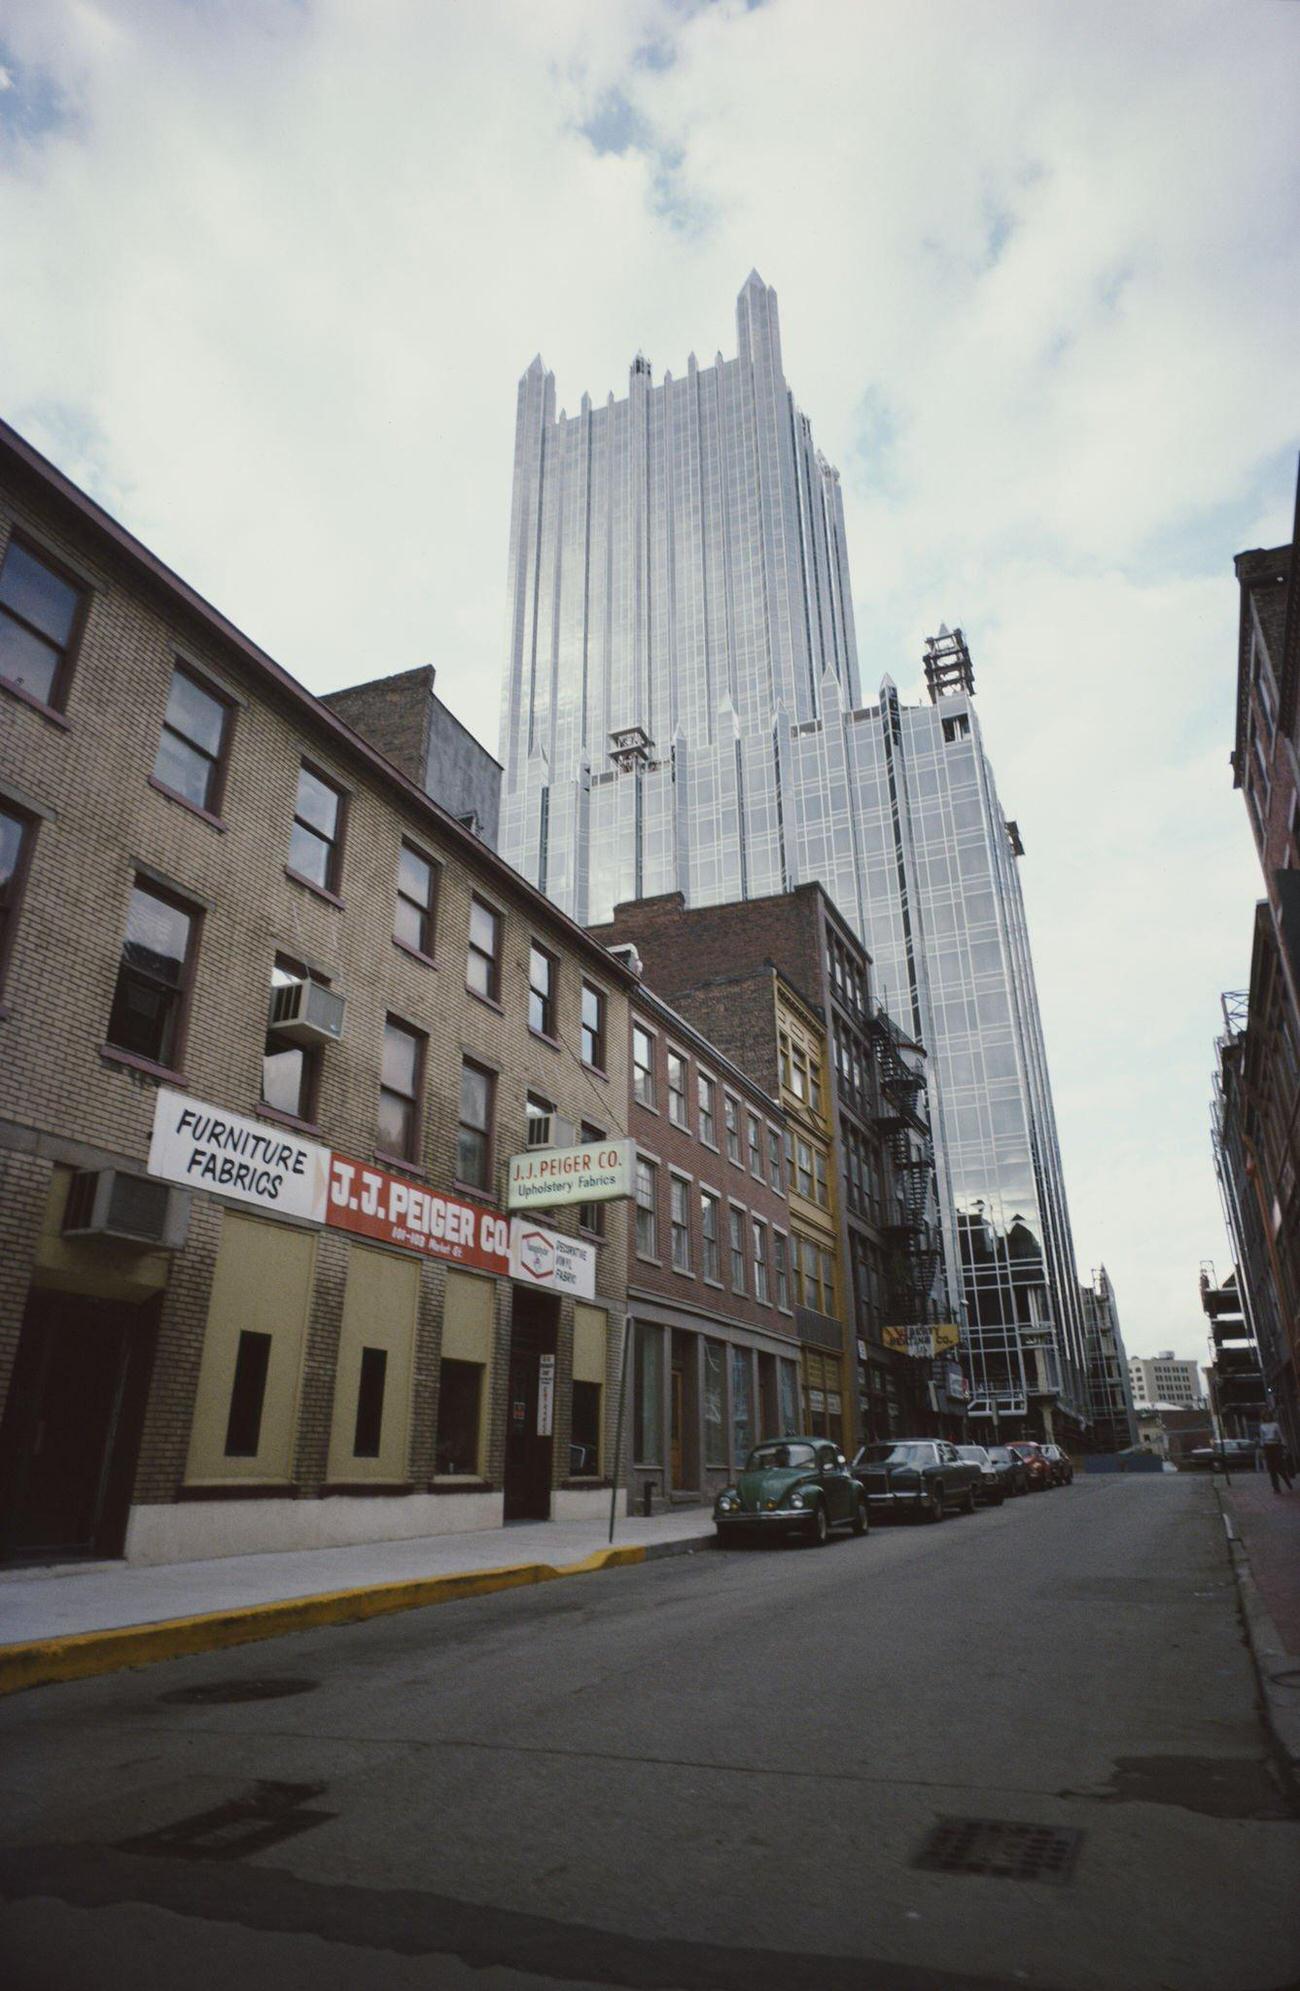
[[955, 1383], [373, 1203], [545, 1395], [541, 1257], [915, 1341], [922, 1342], [207, 1148], [598, 1173]]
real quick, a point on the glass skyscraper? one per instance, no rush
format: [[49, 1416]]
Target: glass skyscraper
[[682, 713]]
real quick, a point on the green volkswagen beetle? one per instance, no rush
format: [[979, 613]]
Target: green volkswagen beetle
[[797, 1486]]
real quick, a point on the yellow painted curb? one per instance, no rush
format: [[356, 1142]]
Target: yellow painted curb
[[40, 1662]]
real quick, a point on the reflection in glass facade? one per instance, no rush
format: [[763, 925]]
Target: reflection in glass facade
[[679, 579]]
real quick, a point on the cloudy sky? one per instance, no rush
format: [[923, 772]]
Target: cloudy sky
[[271, 268]]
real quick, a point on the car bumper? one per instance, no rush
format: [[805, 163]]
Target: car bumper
[[918, 1498], [765, 1520]]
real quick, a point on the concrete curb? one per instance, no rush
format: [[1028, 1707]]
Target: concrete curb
[[83, 1655], [1280, 1701]]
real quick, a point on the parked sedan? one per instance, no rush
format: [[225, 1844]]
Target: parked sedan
[[792, 1486], [1037, 1470], [990, 1487], [923, 1477], [1015, 1473], [1061, 1463]]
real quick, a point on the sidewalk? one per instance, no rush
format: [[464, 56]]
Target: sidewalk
[[89, 1618], [1264, 1545]]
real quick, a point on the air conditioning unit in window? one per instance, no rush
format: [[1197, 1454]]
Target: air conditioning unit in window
[[134, 1209], [548, 1130], [306, 1013]]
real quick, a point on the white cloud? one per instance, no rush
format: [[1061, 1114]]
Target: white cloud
[[281, 267]]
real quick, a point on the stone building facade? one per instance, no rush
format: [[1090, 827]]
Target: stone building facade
[[271, 1025]]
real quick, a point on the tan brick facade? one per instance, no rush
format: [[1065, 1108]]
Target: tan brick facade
[[81, 779]]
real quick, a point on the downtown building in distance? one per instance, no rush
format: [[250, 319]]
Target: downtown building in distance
[[682, 714]]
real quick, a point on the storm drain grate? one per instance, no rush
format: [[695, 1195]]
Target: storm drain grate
[[220, 1693], [1001, 1850], [262, 1817]]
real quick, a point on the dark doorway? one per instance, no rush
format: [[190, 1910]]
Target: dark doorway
[[533, 1325], [71, 1430]]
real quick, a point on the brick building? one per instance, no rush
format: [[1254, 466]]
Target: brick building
[[272, 1022], [714, 1355], [784, 986], [1257, 1084]]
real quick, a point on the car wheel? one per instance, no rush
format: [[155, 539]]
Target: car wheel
[[999, 1496], [821, 1526], [934, 1507], [860, 1521], [968, 1501]]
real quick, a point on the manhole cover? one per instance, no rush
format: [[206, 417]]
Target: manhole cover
[[216, 1693], [1001, 1850]]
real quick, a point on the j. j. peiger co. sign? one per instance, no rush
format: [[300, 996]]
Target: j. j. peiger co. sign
[[597, 1173]]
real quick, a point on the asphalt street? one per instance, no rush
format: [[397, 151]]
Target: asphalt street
[[709, 1772]]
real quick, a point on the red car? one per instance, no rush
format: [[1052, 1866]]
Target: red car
[[1038, 1469]]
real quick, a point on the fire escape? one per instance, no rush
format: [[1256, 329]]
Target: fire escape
[[912, 1257]]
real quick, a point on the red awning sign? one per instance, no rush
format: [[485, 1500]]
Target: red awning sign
[[393, 1210]]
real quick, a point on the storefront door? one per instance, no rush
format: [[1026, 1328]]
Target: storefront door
[[678, 1424], [530, 1405], [72, 1427]]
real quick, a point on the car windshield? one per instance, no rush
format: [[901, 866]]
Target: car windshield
[[975, 1452], [764, 1458], [1000, 1453], [892, 1455]]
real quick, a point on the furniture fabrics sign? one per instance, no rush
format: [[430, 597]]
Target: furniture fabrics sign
[[371, 1202], [228, 1155]]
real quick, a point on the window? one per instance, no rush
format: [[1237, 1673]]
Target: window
[[676, 1088], [417, 884], [707, 1093], [643, 1066], [38, 619], [370, 1403], [788, 1385], [680, 1215], [710, 1240], [649, 1393], [715, 1427], [736, 1238], [543, 969], [399, 1090], [805, 1158], [456, 1448], [247, 1395], [742, 1403], [591, 1216], [755, 1133], [290, 1072], [539, 1112], [316, 840], [584, 1431], [153, 979], [731, 1119], [189, 761], [818, 1276], [823, 1189], [956, 728], [647, 1216], [474, 1144], [774, 1174], [758, 1231], [780, 1268], [814, 1085], [483, 966], [17, 835], [593, 1027]]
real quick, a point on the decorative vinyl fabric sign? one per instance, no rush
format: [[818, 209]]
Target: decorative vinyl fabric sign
[[205, 1147], [541, 1257]]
